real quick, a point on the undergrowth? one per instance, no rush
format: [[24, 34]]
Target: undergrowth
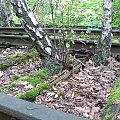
[[39, 79], [31, 94], [112, 98], [18, 58], [115, 92]]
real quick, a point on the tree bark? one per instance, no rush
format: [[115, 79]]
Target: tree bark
[[5, 13], [104, 43], [43, 44]]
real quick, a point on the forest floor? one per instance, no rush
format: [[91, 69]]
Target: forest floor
[[83, 94]]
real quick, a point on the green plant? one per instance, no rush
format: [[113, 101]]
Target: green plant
[[16, 59], [78, 13], [115, 94], [1, 90], [37, 77], [109, 116], [32, 80], [8, 86], [31, 94], [16, 77]]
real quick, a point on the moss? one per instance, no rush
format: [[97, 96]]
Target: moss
[[43, 74], [17, 92], [16, 77], [24, 57], [38, 77], [4, 65], [109, 116], [8, 86], [115, 92], [31, 80], [1, 90], [20, 58], [33, 52], [31, 94], [16, 59], [109, 110]]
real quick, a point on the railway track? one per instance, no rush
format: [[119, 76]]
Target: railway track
[[18, 36], [89, 31], [79, 47]]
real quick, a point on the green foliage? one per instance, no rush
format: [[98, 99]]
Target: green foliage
[[16, 77], [109, 116], [115, 94], [1, 90], [78, 13], [75, 13], [116, 13], [8, 86], [38, 77], [16, 59], [31, 94]]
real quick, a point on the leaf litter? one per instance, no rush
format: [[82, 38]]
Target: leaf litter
[[84, 94]]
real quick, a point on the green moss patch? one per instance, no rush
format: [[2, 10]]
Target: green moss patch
[[110, 108], [1, 90], [31, 94], [115, 92], [39, 79], [17, 59], [109, 116], [8, 86]]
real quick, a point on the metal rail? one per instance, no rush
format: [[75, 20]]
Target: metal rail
[[18, 36], [95, 31], [77, 47]]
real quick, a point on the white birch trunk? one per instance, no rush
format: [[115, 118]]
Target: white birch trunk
[[43, 44], [104, 43]]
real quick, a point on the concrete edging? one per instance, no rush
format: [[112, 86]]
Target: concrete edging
[[24, 110]]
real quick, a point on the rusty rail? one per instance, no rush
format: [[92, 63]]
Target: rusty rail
[[95, 31]]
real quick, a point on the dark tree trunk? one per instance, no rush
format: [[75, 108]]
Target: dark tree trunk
[[104, 43], [43, 44]]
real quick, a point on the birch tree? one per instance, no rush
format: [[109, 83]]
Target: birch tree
[[5, 13], [104, 43], [42, 42]]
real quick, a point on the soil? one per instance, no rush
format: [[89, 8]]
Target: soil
[[83, 94], [24, 68]]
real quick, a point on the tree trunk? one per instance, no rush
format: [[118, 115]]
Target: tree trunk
[[43, 44], [5, 13], [104, 43]]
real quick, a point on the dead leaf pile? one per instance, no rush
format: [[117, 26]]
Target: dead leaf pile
[[24, 68], [84, 94]]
